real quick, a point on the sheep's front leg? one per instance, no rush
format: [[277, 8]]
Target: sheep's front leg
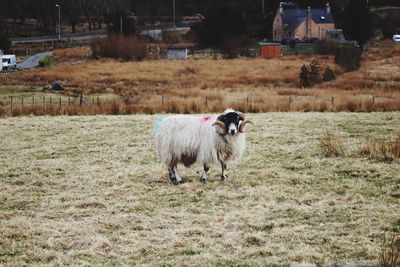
[[174, 175], [203, 177], [224, 175]]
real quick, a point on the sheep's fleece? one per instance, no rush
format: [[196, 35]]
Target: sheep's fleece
[[190, 139]]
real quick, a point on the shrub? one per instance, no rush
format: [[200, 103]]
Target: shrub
[[324, 48], [348, 57], [122, 47], [313, 73], [390, 251], [328, 75], [332, 145], [232, 47], [382, 150], [46, 62], [305, 80]]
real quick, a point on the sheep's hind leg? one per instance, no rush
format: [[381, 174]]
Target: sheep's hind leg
[[174, 175], [224, 175], [203, 177]]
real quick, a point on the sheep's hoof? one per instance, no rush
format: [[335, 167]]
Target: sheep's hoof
[[175, 181], [224, 178]]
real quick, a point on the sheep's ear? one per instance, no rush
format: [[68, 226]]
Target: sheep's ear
[[220, 117], [221, 128], [241, 115], [242, 127]]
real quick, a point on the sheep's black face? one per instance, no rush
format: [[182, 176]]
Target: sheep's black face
[[231, 121]]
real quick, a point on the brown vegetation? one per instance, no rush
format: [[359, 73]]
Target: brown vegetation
[[381, 149], [332, 145], [207, 85], [120, 47], [390, 254]]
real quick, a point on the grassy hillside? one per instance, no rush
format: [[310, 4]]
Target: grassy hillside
[[89, 191]]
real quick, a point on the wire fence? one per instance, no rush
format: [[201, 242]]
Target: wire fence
[[178, 104]]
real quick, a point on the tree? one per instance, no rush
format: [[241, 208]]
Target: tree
[[357, 22], [4, 42], [220, 24]]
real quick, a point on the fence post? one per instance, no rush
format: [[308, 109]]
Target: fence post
[[11, 103], [44, 102], [92, 101], [60, 102], [69, 101], [290, 102], [373, 100], [98, 101], [22, 102], [333, 101], [162, 100], [33, 101], [51, 105], [206, 101], [81, 99]]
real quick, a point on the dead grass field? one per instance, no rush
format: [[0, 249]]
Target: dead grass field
[[203, 85], [89, 191]]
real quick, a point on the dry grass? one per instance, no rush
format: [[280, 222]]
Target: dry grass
[[148, 104], [72, 54], [332, 145], [254, 85], [162, 75], [381, 149], [89, 191], [390, 255]]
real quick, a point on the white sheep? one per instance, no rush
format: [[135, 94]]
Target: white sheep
[[206, 140]]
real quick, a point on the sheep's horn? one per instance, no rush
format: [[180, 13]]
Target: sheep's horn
[[242, 126], [222, 125]]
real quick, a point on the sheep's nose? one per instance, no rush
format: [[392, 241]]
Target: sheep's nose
[[232, 132]]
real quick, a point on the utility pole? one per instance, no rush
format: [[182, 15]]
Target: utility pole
[[59, 22], [263, 7], [173, 6], [120, 25]]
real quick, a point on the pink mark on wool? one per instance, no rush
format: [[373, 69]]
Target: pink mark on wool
[[206, 118]]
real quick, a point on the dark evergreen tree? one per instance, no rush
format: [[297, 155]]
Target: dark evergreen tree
[[357, 22], [220, 24]]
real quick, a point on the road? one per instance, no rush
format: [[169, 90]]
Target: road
[[64, 37], [33, 61]]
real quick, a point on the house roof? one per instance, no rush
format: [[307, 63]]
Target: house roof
[[294, 17]]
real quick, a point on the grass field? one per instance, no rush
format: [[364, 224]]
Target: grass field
[[89, 191]]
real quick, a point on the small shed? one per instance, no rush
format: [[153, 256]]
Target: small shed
[[177, 53], [270, 50]]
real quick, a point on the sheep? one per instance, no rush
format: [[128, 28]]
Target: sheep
[[204, 140]]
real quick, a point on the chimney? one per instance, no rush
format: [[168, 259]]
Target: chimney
[[281, 8], [309, 18], [328, 8]]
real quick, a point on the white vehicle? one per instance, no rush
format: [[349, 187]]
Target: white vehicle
[[9, 62], [396, 37]]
